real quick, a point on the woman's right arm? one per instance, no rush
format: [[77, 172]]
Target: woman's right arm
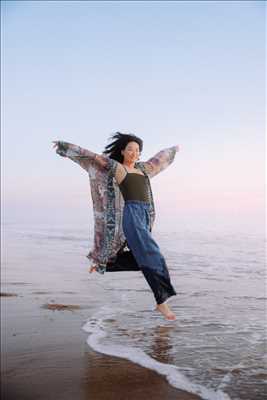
[[81, 156]]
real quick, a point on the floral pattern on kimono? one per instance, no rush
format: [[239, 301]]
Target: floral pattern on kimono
[[107, 199]]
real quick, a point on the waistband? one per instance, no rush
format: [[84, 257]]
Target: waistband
[[139, 202]]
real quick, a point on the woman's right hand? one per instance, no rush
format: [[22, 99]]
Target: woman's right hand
[[56, 142]]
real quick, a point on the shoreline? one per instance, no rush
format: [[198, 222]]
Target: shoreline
[[45, 355]]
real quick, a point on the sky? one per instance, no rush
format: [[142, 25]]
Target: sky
[[190, 73]]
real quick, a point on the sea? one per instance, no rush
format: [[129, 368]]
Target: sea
[[216, 348]]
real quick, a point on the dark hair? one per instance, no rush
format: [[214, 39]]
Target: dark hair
[[120, 141]]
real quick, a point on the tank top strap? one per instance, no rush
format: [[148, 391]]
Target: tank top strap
[[125, 169]]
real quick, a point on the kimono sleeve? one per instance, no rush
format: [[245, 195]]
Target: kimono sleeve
[[159, 161], [83, 157]]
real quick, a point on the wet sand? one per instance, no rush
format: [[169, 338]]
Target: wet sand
[[45, 356]]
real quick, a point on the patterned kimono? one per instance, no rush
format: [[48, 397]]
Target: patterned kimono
[[107, 199]]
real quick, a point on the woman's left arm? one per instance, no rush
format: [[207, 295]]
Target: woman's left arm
[[160, 161]]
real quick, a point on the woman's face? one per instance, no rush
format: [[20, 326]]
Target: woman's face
[[131, 152]]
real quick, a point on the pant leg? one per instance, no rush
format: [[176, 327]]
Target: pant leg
[[146, 252], [160, 286]]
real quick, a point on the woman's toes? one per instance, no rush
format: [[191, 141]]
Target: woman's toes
[[171, 317], [165, 310]]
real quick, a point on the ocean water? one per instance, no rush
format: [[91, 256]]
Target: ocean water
[[217, 346]]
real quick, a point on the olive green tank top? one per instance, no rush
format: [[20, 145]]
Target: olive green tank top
[[134, 187]]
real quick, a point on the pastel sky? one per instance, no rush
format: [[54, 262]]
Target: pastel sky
[[190, 73]]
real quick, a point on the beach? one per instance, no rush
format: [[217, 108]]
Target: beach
[[68, 334], [45, 356]]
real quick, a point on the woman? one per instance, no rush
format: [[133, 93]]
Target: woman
[[124, 210]]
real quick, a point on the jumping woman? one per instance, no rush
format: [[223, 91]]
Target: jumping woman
[[124, 211]]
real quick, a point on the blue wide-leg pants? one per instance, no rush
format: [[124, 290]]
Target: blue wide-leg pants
[[145, 250]]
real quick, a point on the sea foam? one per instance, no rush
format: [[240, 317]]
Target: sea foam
[[95, 327]]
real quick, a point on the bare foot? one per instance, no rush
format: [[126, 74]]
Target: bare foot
[[92, 269], [166, 311]]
